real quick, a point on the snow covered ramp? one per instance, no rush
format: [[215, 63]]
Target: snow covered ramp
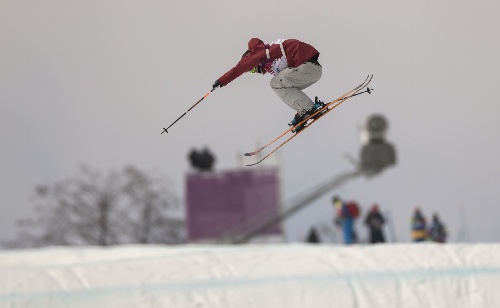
[[404, 275]]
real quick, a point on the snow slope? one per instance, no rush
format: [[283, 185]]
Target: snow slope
[[403, 275]]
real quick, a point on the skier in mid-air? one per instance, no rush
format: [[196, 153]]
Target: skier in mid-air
[[294, 65]]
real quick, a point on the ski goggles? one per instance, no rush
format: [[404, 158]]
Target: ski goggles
[[255, 70]]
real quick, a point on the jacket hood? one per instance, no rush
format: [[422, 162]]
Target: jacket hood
[[254, 42]]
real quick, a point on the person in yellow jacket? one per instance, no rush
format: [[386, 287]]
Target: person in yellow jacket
[[418, 226]]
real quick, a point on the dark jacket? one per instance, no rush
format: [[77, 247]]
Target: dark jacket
[[438, 232], [375, 222]]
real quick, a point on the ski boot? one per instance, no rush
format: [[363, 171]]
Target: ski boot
[[299, 117], [318, 105]]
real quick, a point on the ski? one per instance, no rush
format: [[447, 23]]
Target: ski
[[313, 117], [365, 83]]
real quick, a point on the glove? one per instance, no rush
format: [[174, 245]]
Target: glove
[[216, 85]]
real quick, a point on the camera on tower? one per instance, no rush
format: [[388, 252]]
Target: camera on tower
[[376, 153]]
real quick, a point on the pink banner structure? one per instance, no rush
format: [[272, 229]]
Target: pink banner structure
[[220, 202]]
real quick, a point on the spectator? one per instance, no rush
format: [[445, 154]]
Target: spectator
[[418, 226], [375, 223], [313, 236], [437, 231], [346, 213]]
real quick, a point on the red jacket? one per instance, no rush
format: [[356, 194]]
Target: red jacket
[[296, 52]]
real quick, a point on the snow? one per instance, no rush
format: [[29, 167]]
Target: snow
[[278, 275]]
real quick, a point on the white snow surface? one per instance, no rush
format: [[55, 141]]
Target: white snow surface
[[297, 275]]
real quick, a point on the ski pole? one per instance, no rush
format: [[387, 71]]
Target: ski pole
[[368, 90], [165, 130]]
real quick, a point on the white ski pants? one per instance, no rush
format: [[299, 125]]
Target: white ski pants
[[289, 83]]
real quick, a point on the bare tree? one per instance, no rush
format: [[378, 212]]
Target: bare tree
[[151, 206], [129, 206]]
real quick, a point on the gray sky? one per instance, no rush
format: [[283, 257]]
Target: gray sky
[[94, 82]]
